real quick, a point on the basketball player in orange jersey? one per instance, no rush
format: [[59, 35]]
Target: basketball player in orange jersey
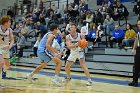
[[6, 42], [75, 52]]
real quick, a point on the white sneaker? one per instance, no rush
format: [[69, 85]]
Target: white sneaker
[[29, 78], [56, 81], [89, 83]]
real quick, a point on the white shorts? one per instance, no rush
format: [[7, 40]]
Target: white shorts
[[5, 53], [74, 56]]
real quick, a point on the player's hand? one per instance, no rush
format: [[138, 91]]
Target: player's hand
[[76, 44], [56, 55]]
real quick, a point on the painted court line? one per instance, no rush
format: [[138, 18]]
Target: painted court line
[[103, 80]]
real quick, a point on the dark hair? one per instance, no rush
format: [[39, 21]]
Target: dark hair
[[130, 26], [53, 26]]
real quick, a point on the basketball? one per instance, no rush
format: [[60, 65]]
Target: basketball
[[82, 43]]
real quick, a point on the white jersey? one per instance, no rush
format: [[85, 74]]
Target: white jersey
[[4, 42], [75, 40], [4, 38], [75, 53]]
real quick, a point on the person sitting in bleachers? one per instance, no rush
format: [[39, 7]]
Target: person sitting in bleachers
[[16, 30], [108, 24], [36, 45], [20, 44], [98, 17], [93, 35], [136, 8], [117, 36], [84, 29], [121, 11], [83, 6], [40, 28], [89, 17], [106, 10], [130, 37], [68, 25]]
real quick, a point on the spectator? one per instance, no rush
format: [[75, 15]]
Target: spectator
[[136, 8], [41, 29], [68, 25], [16, 30], [107, 10], [93, 35], [98, 17], [121, 11], [89, 17], [10, 13], [42, 19], [36, 45], [117, 36], [24, 31], [84, 29], [21, 44], [84, 6], [130, 36], [108, 24]]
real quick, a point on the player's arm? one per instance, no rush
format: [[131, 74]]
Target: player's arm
[[48, 44], [11, 38], [69, 44]]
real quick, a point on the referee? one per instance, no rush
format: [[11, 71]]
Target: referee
[[136, 52]]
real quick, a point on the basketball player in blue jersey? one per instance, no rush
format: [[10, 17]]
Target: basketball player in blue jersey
[[47, 53], [6, 42], [75, 52]]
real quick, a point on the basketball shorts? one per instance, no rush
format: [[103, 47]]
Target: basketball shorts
[[73, 56], [5, 53], [45, 56]]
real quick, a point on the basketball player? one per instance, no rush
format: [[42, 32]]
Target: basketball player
[[75, 52], [47, 53], [6, 42]]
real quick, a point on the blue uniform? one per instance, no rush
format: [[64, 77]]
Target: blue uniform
[[44, 54]]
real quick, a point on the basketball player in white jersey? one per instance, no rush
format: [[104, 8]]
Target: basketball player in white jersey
[[75, 52], [6, 41]]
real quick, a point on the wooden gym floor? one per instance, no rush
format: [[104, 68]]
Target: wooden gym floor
[[17, 83]]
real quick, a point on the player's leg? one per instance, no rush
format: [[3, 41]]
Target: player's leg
[[58, 63], [1, 65], [58, 66], [44, 59], [84, 67], [37, 69], [6, 66], [67, 69], [70, 60]]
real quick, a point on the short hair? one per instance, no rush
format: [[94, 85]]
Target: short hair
[[4, 20], [73, 25], [53, 26]]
